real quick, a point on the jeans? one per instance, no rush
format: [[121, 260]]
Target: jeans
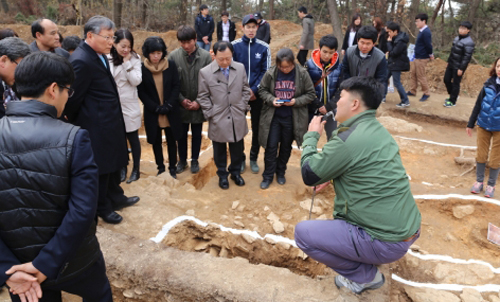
[[204, 46], [280, 137], [396, 77]]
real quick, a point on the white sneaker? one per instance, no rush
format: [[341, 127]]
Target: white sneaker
[[358, 288]]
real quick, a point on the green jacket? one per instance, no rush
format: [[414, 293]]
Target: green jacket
[[188, 74], [371, 185], [304, 94]]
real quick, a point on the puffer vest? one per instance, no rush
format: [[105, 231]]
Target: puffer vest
[[363, 67], [489, 117], [35, 169]]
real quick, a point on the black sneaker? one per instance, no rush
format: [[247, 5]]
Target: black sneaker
[[424, 98], [403, 105], [410, 94], [448, 104], [181, 166], [195, 166]]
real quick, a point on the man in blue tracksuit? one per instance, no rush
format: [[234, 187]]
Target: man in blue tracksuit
[[255, 55]]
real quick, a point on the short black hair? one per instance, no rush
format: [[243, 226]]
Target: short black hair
[[70, 43], [153, 44], [221, 46], [36, 27], [423, 17], [285, 54], [39, 70], [368, 32], [329, 41], [466, 24], [203, 6], [302, 9], [224, 13], [368, 89], [7, 32], [394, 26], [186, 33]]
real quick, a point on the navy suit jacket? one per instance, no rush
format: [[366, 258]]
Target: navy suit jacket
[[82, 206]]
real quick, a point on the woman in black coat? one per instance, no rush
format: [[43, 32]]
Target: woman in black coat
[[159, 92], [351, 34]]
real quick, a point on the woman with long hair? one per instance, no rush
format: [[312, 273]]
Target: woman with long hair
[[487, 114], [350, 37], [159, 92], [382, 34], [125, 66]]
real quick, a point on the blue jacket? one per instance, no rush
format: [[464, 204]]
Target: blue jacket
[[489, 116], [315, 69], [255, 55], [204, 26], [423, 46]]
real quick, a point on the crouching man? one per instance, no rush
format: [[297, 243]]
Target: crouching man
[[48, 191], [375, 216]]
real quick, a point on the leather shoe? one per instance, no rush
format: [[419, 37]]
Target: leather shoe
[[160, 171], [127, 203], [135, 175], [123, 174], [265, 184], [195, 166], [281, 180], [112, 218], [181, 166], [238, 180], [223, 183]]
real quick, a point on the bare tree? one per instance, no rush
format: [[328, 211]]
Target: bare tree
[[183, 12], [144, 13], [473, 9], [117, 12], [400, 10], [5, 6], [271, 9], [335, 19], [223, 5], [435, 13], [413, 12]]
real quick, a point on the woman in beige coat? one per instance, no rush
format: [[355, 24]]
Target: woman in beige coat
[[125, 65]]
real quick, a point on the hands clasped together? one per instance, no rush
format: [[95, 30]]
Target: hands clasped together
[[25, 281]]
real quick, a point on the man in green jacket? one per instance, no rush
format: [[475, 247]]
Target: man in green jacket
[[375, 216], [190, 59]]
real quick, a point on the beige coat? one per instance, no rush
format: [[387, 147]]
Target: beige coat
[[127, 77], [224, 103]]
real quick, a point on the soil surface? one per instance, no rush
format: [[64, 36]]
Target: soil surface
[[217, 261]]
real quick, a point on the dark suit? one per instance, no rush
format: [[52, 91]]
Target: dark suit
[[95, 106]]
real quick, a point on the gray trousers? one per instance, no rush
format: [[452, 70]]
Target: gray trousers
[[347, 248]]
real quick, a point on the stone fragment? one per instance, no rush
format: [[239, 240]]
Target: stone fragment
[[238, 217], [128, 293], [272, 217], [322, 217], [249, 239], [462, 211], [240, 208], [190, 212], [138, 291], [493, 298], [224, 217], [202, 245], [284, 245], [430, 295], [213, 251], [223, 253], [471, 295], [278, 227], [235, 204], [287, 216], [270, 241], [450, 237], [306, 205], [239, 223], [266, 208]]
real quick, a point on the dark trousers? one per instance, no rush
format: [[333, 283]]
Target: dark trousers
[[396, 77], [220, 158], [302, 56], [452, 82], [280, 136], [195, 141], [171, 147], [92, 285], [135, 145], [110, 192], [255, 109]]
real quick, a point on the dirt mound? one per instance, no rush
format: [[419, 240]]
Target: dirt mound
[[398, 125]]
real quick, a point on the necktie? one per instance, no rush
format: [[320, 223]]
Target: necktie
[[103, 61], [225, 71]]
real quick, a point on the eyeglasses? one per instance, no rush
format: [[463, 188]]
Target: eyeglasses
[[14, 62], [107, 37], [71, 91]]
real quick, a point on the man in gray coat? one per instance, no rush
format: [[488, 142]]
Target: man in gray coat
[[307, 38], [46, 36], [189, 58], [223, 94]]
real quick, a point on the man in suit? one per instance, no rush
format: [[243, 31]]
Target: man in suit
[[46, 36], [12, 51], [95, 106], [223, 94], [48, 191]]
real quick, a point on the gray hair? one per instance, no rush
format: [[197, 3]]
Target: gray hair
[[14, 48], [96, 24]]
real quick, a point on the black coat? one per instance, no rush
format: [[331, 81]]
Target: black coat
[[2, 106], [461, 53], [398, 53], [96, 107], [346, 39], [264, 32], [149, 97], [382, 41], [232, 31]]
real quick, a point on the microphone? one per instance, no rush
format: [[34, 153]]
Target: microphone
[[329, 114]]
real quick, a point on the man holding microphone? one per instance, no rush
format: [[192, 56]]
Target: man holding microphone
[[375, 216]]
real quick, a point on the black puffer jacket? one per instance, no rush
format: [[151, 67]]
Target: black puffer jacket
[[461, 52], [398, 53]]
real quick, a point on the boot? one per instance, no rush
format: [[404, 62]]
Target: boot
[[123, 174], [135, 175]]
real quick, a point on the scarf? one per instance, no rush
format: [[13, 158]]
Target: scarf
[[158, 79]]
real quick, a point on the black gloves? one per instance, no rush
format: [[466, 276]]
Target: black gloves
[[164, 109]]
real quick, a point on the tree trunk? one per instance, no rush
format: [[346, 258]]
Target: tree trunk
[[261, 5], [354, 9], [393, 8], [400, 11], [271, 9], [435, 13], [183, 12], [223, 6], [472, 10], [5, 6], [335, 19], [144, 13], [117, 12], [413, 12], [452, 15]]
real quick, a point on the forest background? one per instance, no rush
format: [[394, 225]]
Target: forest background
[[163, 15]]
